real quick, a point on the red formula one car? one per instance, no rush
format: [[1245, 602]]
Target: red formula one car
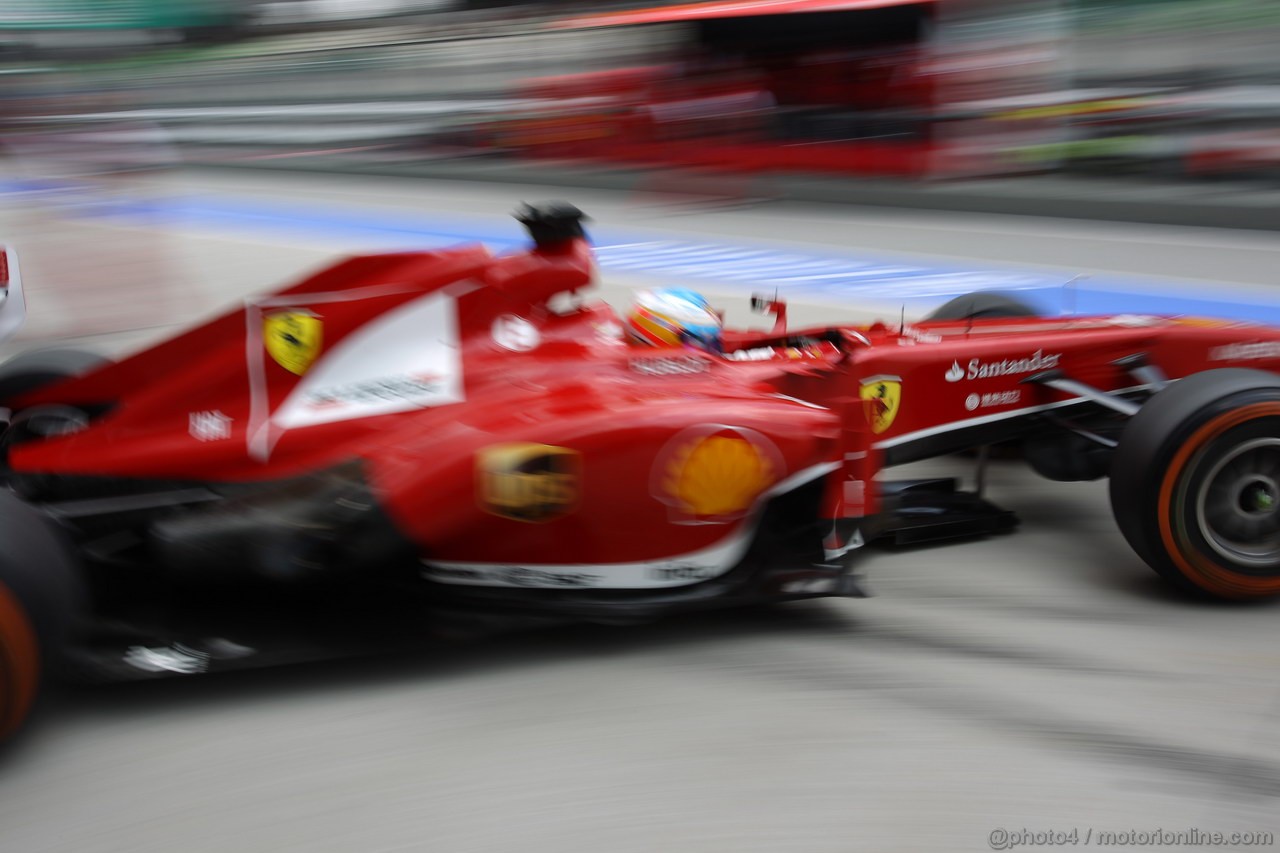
[[404, 441]]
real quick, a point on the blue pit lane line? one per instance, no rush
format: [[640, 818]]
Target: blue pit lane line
[[814, 273]]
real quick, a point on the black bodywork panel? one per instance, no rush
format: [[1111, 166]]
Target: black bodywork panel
[[151, 624]]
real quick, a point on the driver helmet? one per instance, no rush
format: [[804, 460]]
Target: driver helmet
[[674, 317]]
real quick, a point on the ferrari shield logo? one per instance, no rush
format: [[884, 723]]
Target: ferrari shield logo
[[881, 397], [293, 338]]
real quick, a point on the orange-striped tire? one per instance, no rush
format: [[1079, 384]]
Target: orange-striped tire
[[19, 663], [41, 600], [1195, 483]]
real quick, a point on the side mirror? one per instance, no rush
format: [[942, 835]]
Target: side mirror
[[13, 305], [775, 306]]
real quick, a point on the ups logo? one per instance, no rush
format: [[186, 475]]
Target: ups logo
[[528, 482]]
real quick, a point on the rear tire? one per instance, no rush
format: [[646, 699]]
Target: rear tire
[[41, 597], [1195, 483], [31, 370], [19, 663]]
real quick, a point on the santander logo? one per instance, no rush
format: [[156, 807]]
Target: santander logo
[[979, 369]]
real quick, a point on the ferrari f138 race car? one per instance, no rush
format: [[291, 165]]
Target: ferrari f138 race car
[[401, 440]]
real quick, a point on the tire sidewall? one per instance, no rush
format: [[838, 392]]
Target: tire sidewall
[[42, 601], [36, 369], [1229, 425], [981, 305], [20, 662], [1164, 456]]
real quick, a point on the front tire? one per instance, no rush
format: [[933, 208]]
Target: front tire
[[982, 305], [1195, 483]]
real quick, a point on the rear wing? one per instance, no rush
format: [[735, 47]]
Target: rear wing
[[13, 305]]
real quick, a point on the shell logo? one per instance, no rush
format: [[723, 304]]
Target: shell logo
[[716, 476]]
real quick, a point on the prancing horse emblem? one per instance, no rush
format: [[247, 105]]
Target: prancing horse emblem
[[882, 397], [293, 338]]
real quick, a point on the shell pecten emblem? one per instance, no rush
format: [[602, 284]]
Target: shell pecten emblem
[[715, 475], [882, 397], [293, 338]]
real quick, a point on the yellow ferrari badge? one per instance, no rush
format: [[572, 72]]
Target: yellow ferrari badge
[[881, 396], [293, 338]]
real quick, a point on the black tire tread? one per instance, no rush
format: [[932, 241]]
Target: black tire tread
[[982, 305], [39, 568], [1149, 441], [28, 371]]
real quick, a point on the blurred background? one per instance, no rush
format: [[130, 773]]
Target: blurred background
[[883, 90]]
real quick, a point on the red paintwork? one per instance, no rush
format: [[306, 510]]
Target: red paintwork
[[579, 389]]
